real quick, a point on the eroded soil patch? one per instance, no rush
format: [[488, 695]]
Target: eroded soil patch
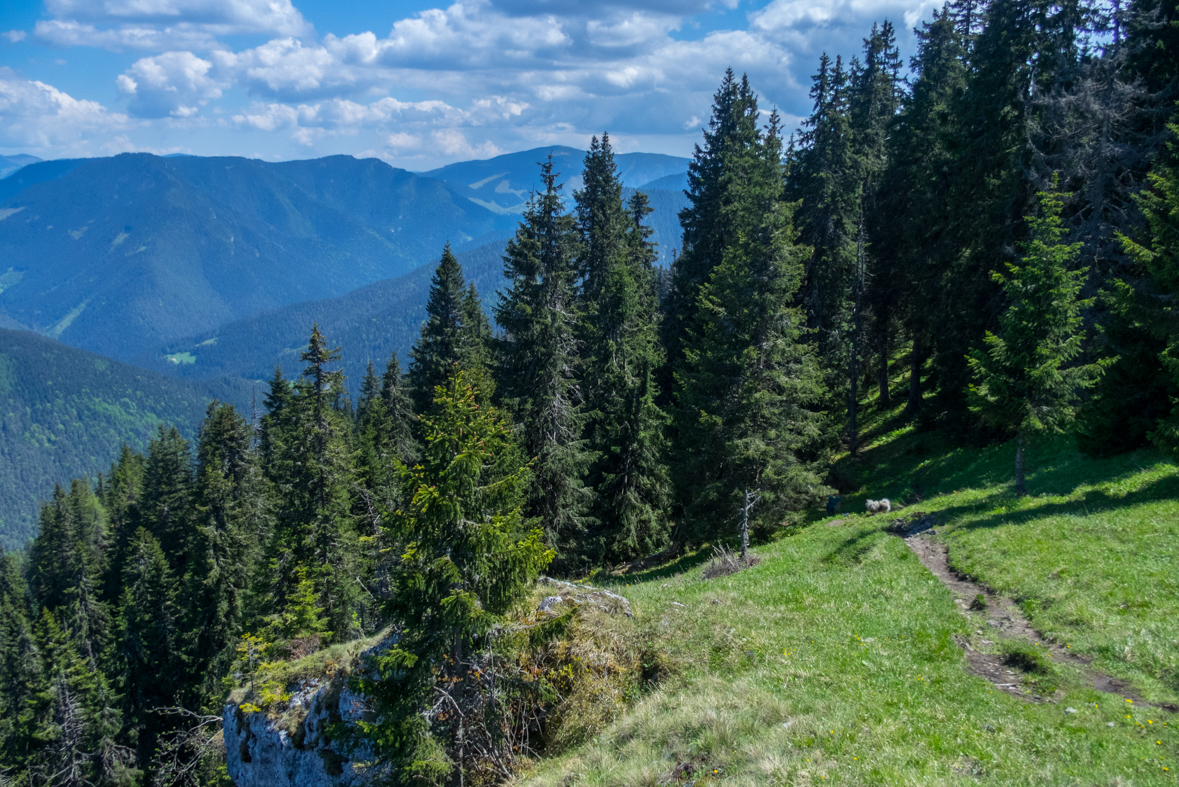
[[997, 617]]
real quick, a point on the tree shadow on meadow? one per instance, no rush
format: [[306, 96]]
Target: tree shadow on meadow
[[1093, 501]]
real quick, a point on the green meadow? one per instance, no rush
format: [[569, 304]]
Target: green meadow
[[835, 659]]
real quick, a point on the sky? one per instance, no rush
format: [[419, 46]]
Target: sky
[[416, 83]]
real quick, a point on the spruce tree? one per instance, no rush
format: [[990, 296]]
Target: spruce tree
[[910, 226], [538, 376], [166, 506], [989, 194], [732, 126], [76, 727], [147, 657], [309, 464], [749, 390], [1023, 379], [441, 341], [621, 350], [1149, 303], [467, 557], [232, 522]]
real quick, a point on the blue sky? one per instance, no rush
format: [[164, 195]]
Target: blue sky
[[418, 84]]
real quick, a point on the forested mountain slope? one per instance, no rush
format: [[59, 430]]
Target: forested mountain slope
[[370, 323], [119, 254], [10, 164], [503, 183], [66, 412]]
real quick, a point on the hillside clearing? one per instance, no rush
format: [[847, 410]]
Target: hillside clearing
[[836, 660]]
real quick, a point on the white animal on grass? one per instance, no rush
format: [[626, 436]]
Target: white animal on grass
[[879, 506]]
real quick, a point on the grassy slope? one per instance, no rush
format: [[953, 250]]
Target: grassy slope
[[833, 661]]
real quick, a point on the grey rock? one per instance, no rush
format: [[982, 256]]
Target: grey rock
[[289, 746], [549, 603]]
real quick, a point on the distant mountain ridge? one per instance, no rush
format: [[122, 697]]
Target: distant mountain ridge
[[10, 164], [65, 413], [369, 323], [116, 255], [504, 183]]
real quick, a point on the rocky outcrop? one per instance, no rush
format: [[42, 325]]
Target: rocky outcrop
[[267, 750]]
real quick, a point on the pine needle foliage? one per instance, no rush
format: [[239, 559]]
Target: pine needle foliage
[[538, 375], [1023, 380], [467, 556], [749, 390], [620, 347]]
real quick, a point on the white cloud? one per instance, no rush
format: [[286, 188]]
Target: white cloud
[[453, 142], [172, 84], [36, 116], [401, 142], [63, 33], [14, 36], [220, 17], [463, 36], [285, 67], [630, 30]]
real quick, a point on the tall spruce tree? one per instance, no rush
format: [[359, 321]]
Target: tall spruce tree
[[1148, 304], [147, 657], [749, 390], [166, 506], [467, 557], [442, 339], [621, 350], [910, 226], [990, 193], [310, 465], [732, 126], [1023, 380], [538, 376], [232, 522]]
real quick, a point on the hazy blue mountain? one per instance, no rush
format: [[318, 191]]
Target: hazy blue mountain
[[65, 413], [117, 255], [503, 183], [369, 323], [10, 164], [664, 220], [37, 172], [675, 182]]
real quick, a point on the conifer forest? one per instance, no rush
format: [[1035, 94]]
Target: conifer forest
[[995, 223]]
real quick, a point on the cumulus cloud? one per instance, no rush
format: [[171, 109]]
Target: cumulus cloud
[[64, 33], [37, 116], [14, 36], [220, 17], [468, 78], [463, 36], [173, 84], [286, 67]]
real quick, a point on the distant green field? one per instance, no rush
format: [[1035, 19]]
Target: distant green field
[[834, 661]]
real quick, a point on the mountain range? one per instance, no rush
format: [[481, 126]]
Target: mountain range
[[120, 254], [206, 273], [65, 412], [10, 164], [504, 183], [369, 324]]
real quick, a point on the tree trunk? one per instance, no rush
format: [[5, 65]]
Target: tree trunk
[[882, 381], [745, 525], [916, 360], [1020, 484], [856, 339]]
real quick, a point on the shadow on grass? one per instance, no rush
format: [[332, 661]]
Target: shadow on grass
[[670, 569], [852, 551], [1094, 501]]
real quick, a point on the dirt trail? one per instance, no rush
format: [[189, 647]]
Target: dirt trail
[[996, 616]]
